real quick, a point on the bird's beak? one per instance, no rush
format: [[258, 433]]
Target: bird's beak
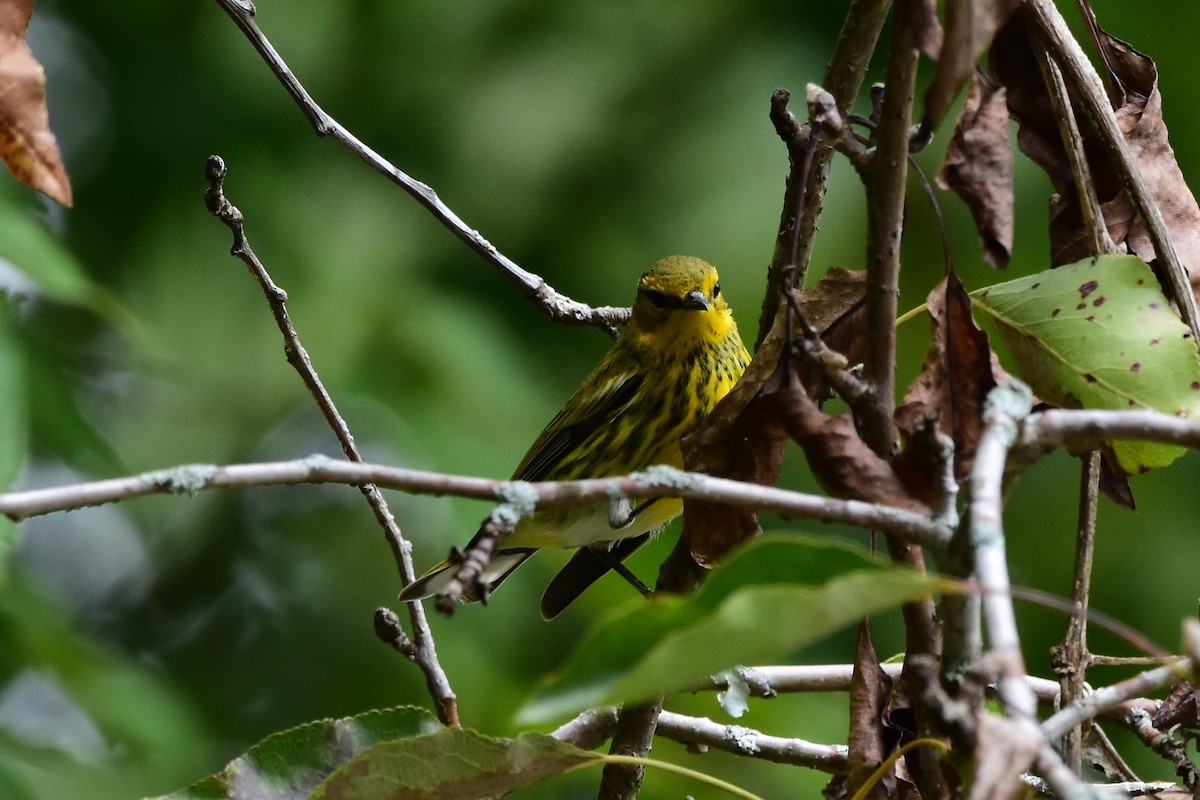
[[696, 301]]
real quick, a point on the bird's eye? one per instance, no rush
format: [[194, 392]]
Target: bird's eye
[[657, 299], [716, 291]]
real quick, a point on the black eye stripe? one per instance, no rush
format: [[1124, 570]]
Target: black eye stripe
[[657, 298]]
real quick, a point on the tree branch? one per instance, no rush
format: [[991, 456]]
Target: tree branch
[[655, 482], [843, 79], [886, 178], [1091, 705], [557, 306], [740, 741], [1071, 657], [423, 651]]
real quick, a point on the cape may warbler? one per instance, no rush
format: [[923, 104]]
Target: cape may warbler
[[679, 355]]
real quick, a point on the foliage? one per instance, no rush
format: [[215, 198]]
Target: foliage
[[147, 644]]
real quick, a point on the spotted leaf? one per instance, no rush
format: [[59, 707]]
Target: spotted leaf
[[1100, 334]]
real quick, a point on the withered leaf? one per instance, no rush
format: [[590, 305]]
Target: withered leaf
[[970, 25], [750, 451], [869, 743], [1182, 707], [1141, 120], [959, 371], [1139, 116], [979, 167], [834, 307], [1114, 481], [27, 145], [841, 462], [926, 28]]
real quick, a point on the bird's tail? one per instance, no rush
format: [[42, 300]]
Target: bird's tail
[[435, 581], [587, 566]]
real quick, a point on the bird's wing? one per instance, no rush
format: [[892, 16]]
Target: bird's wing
[[590, 409]]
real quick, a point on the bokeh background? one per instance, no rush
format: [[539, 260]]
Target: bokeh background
[[144, 645]]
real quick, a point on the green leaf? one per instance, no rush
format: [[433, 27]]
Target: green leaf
[[292, 763], [1100, 334], [52, 270], [772, 597], [451, 763], [14, 425]]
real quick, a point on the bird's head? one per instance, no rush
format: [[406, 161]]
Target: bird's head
[[680, 292]]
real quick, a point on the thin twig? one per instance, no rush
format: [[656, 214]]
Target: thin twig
[[1071, 657], [1140, 722], [556, 305], [767, 682], [886, 184], [590, 729], [1129, 788], [843, 79], [656, 482], [1081, 171], [593, 727], [1090, 705], [423, 652], [741, 741], [1079, 429], [1006, 405]]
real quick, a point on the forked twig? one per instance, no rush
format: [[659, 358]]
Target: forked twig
[[556, 305], [423, 651]]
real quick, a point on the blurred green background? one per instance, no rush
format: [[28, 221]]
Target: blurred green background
[[144, 645]]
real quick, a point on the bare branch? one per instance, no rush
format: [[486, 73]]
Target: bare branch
[[886, 178], [1071, 657], [421, 650], [634, 736], [1090, 705], [770, 681], [701, 731], [843, 79], [1140, 722], [655, 482], [1088, 429], [557, 306], [1006, 405], [590, 729]]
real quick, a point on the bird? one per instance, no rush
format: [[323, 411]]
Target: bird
[[677, 356]]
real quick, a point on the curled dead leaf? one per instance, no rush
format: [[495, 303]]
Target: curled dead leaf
[[970, 25], [979, 167], [959, 371], [27, 145], [1139, 115]]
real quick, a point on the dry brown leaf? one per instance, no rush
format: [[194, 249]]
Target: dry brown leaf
[[1140, 119], [834, 307], [927, 28], [979, 167], [839, 459], [1182, 707], [960, 369], [1139, 116], [27, 145], [752, 452], [869, 743], [970, 25]]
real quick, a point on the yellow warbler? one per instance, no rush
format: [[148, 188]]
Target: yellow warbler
[[679, 355]]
